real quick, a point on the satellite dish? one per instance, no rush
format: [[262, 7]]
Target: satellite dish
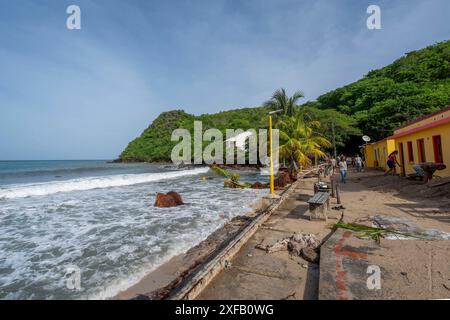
[[366, 138]]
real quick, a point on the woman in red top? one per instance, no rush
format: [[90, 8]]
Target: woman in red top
[[391, 162]]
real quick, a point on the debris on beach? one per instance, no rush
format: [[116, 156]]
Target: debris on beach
[[310, 255], [376, 233], [405, 226], [232, 178], [281, 180], [171, 199], [259, 185], [298, 244]]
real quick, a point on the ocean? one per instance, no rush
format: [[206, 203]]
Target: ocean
[[99, 218]]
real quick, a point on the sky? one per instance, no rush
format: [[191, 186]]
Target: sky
[[84, 94]]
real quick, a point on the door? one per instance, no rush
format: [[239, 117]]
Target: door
[[402, 158], [421, 150], [437, 148]]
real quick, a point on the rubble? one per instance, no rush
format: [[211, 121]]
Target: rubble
[[295, 244]]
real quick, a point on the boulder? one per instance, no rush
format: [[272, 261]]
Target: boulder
[[259, 185], [171, 199], [282, 180]]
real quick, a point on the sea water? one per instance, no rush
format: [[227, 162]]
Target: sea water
[[100, 218]]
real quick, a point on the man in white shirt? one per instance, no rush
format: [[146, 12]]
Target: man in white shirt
[[343, 169], [358, 163]]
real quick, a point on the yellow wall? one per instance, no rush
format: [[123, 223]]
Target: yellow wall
[[427, 134], [384, 147], [378, 151]]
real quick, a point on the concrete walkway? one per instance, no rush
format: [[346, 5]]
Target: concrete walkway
[[349, 267], [255, 274], [409, 269]]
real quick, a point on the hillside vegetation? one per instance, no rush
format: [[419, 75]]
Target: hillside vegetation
[[154, 144], [416, 84]]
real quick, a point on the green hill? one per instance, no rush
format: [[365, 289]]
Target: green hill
[[155, 145], [416, 84]]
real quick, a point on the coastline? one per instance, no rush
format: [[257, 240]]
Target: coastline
[[158, 283]]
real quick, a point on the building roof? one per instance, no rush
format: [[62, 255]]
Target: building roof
[[424, 117], [423, 127]]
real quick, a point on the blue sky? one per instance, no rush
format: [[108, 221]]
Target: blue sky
[[84, 94]]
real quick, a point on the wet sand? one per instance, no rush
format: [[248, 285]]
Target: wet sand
[[159, 282]]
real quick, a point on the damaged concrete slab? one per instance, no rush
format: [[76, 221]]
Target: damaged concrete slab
[[349, 267]]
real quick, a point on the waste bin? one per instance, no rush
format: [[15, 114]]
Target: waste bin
[[321, 187]]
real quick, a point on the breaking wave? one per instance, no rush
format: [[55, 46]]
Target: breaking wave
[[80, 184]]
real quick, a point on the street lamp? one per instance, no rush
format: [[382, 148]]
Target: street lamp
[[272, 187]]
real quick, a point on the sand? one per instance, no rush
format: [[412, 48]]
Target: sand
[[158, 283], [255, 274]]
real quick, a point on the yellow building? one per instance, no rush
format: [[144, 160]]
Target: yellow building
[[426, 139], [376, 153]]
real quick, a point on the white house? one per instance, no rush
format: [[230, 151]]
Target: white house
[[238, 140]]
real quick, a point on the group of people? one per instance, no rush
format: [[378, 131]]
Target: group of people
[[342, 163], [424, 170]]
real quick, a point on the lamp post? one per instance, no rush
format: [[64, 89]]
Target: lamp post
[[272, 186]]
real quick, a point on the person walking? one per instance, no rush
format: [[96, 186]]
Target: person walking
[[343, 169], [391, 162], [333, 165], [358, 163]]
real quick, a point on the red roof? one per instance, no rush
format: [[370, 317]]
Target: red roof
[[423, 127]]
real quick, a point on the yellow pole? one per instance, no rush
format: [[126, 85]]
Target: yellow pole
[[271, 158]]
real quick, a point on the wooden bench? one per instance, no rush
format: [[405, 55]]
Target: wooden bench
[[319, 205]]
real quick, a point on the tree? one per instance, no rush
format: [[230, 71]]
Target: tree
[[300, 141], [280, 100]]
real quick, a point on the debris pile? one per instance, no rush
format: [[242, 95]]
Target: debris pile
[[407, 227], [303, 245]]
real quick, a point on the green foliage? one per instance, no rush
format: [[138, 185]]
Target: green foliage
[[281, 101], [300, 140], [413, 85], [233, 181], [374, 233], [155, 145], [416, 84], [344, 124]]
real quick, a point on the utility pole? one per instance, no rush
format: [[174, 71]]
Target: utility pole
[[334, 139], [271, 156], [271, 181]]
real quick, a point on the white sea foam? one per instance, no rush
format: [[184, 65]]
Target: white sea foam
[[114, 235], [46, 188]]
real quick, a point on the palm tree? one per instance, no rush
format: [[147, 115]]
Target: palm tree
[[280, 100], [300, 141]]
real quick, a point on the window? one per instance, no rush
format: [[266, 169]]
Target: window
[[410, 151], [437, 148], [421, 150]]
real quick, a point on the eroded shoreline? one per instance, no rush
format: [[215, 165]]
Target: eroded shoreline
[[158, 283]]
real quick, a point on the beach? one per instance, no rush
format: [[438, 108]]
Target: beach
[[100, 217], [412, 267]]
